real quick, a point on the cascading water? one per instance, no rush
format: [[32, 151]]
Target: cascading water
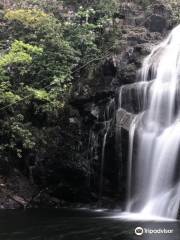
[[98, 136], [107, 117], [153, 179]]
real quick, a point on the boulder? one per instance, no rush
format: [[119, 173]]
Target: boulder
[[158, 17], [156, 23]]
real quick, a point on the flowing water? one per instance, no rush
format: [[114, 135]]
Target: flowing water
[[107, 117], [153, 177]]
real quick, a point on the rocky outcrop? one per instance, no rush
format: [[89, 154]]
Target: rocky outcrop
[[140, 31], [159, 17]]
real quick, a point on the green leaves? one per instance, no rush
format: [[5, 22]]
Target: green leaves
[[29, 17], [9, 98], [22, 135], [41, 95], [20, 52]]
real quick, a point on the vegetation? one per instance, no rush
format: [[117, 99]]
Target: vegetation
[[44, 48]]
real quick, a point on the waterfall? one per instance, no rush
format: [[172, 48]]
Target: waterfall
[[107, 117], [99, 134], [102, 163], [153, 178]]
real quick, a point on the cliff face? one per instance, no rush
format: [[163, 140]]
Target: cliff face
[[97, 99], [93, 165]]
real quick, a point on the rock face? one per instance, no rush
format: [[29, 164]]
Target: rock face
[[159, 18], [140, 30]]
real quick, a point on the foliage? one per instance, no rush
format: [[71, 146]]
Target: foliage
[[44, 47], [81, 33], [29, 17], [58, 58], [13, 63], [19, 53]]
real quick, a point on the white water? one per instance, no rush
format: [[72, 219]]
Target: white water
[[153, 178]]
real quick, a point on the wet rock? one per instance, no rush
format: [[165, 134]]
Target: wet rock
[[156, 23], [129, 12], [15, 190], [4, 167], [158, 17], [127, 74]]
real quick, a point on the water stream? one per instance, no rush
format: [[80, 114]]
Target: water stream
[[153, 179], [107, 117]]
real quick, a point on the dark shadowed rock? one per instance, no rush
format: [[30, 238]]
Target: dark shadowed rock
[[158, 17], [156, 23]]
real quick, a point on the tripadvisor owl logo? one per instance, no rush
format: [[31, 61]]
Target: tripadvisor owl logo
[[139, 231]]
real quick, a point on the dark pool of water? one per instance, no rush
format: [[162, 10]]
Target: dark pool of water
[[68, 224]]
